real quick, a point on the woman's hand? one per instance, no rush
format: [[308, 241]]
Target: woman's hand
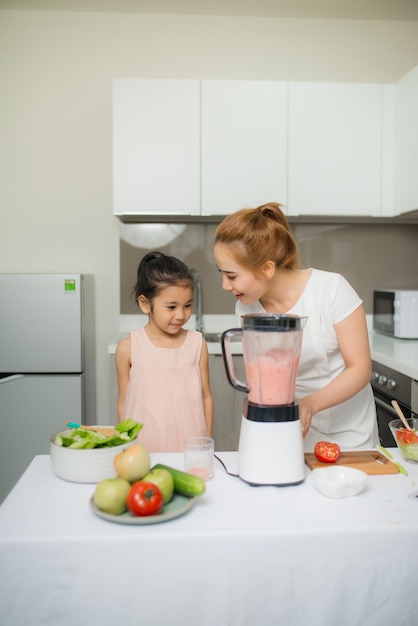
[[306, 411]]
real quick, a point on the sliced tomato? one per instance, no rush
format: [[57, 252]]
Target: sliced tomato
[[327, 452], [405, 436]]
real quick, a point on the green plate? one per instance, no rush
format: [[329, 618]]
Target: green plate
[[177, 506]]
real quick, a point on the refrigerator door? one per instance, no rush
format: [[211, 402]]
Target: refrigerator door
[[32, 409], [41, 323]]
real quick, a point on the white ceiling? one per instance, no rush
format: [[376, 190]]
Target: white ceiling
[[403, 10]]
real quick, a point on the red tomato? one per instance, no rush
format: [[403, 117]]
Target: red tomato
[[327, 452], [144, 499], [406, 437]]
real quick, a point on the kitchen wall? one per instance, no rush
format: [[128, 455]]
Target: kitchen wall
[[370, 256], [56, 72]]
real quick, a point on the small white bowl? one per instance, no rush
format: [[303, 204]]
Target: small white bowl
[[84, 466], [339, 481]]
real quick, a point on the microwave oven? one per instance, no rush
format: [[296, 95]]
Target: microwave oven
[[395, 312]]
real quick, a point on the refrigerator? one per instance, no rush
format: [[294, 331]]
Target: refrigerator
[[46, 364]]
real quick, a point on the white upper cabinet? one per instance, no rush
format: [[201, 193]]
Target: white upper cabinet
[[211, 147], [198, 148], [156, 147], [335, 149], [244, 145], [388, 151], [406, 143]]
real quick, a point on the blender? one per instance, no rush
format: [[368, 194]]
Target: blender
[[270, 450]]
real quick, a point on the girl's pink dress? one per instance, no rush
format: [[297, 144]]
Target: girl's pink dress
[[165, 392]]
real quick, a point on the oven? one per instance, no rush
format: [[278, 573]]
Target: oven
[[388, 385]]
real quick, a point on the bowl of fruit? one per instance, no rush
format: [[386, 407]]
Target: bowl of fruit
[[406, 440], [84, 454]]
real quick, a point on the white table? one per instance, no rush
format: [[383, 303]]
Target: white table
[[241, 556]]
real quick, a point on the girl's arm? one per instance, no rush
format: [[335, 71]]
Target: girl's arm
[[354, 345], [206, 392], [123, 367]]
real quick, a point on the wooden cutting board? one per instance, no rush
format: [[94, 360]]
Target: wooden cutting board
[[368, 461]]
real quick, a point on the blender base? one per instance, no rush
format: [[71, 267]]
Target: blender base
[[273, 484], [271, 453]]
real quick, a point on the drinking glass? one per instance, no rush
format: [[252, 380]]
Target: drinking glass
[[198, 456]]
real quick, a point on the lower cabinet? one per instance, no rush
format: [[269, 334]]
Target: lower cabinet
[[228, 403]]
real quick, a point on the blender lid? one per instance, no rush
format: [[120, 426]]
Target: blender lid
[[273, 321]]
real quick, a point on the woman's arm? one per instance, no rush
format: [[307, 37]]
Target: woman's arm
[[123, 367], [206, 392], [354, 345]]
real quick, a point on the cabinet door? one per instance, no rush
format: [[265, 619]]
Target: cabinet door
[[388, 151], [406, 146], [244, 145], [32, 409], [228, 403], [156, 147], [335, 149]]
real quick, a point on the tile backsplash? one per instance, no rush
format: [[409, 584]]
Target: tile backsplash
[[370, 256]]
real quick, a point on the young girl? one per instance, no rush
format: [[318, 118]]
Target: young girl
[[162, 369], [257, 257]]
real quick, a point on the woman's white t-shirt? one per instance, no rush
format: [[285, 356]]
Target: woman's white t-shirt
[[326, 300]]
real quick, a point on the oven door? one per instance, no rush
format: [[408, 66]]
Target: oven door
[[385, 414]]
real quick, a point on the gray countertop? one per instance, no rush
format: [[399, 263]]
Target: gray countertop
[[398, 354]]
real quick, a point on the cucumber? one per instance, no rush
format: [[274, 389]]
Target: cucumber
[[185, 483]]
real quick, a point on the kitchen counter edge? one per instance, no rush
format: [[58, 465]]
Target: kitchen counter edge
[[398, 354]]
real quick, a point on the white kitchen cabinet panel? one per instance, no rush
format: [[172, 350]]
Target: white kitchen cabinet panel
[[388, 151], [406, 146], [156, 147], [244, 144], [335, 149]]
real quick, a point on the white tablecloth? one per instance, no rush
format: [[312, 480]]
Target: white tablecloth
[[242, 556]]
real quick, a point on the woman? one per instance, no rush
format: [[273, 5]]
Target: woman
[[257, 257]]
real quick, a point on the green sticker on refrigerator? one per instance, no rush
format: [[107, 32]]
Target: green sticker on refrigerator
[[69, 285]]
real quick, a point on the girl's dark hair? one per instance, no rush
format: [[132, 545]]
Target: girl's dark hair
[[156, 271], [256, 236]]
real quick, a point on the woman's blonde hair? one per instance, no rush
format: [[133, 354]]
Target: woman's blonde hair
[[256, 236]]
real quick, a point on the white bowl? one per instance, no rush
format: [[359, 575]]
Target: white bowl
[[339, 481], [84, 466]]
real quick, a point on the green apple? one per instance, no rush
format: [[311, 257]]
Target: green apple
[[164, 480], [110, 495]]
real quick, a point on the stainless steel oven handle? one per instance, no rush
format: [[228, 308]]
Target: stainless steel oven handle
[[384, 405]]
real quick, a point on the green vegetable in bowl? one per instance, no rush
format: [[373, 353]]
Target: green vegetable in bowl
[[83, 439], [410, 451]]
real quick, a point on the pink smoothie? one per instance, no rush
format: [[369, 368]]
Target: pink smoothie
[[203, 472], [272, 378]]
